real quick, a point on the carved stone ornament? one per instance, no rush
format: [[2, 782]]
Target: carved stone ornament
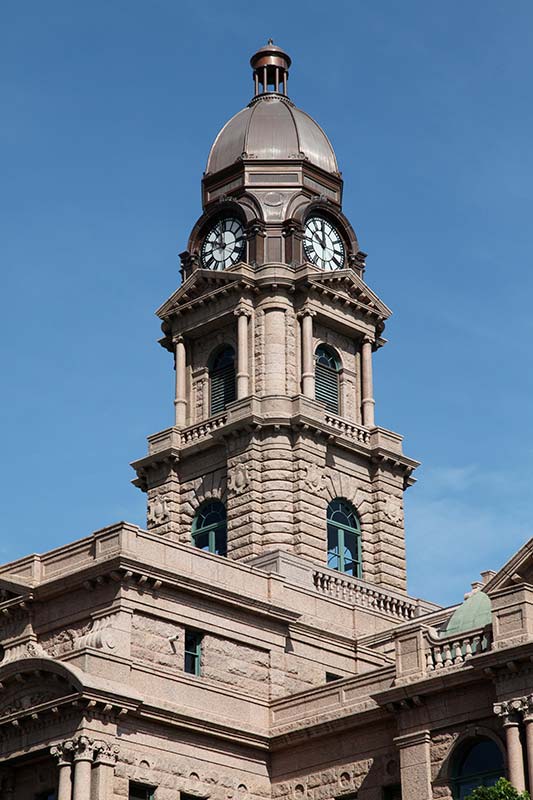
[[273, 199], [238, 478], [63, 751], [106, 753], [393, 510], [158, 511], [314, 478]]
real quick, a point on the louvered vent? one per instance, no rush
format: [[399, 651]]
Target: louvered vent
[[327, 387], [222, 388]]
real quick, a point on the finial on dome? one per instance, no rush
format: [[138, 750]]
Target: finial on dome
[[271, 69]]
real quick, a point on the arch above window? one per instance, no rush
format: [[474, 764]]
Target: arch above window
[[222, 379], [327, 374], [478, 762], [344, 538], [209, 528]]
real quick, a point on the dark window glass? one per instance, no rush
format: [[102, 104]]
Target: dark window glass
[[140, 791], [327, 368], [209, 528], [222, 379], [478, 763], [193, 652], [48, 795], [344, 538], [331, 676]]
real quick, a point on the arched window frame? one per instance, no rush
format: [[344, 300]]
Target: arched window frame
[[328, 367], [344, 553], [214, 534], [462, 785], [222, 379]]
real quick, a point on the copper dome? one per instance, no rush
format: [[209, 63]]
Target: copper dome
[[271, 128]]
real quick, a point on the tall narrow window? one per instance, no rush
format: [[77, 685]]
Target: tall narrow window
[[209, 528], [344, 538], [327, 369], [222, 379], [193, 652], [141, 791]]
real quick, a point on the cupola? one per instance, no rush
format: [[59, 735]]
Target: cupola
[[271, 132]]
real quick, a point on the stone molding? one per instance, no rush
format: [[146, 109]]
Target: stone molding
[[412, 739]]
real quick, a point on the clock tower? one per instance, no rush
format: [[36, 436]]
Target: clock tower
[[274, 454]]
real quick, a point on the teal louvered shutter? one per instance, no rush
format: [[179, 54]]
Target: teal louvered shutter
[[327, 378], [222, 381], [327, 387]]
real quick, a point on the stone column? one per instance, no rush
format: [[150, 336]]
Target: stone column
[[528, 722], [515, 756], [243, 376], [368, 401], [83, 759], [180, 401], [308, 372], [63, 753], [104, 769], [415, 765]]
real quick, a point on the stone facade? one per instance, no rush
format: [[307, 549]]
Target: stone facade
[[263, 663]]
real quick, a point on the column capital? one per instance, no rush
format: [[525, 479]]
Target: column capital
[[305, 312], [509, 711], [369, 340], [83, 749], [526, 708], [243, 311], [106, 753], [63, 751]]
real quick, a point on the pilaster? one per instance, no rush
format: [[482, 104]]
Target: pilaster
[[415, 765]]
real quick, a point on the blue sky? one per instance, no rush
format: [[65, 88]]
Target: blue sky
[[109, 110]]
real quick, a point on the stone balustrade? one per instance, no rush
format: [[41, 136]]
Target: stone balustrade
[[349, 429], [352, 590], [456, 650], [202, 429]]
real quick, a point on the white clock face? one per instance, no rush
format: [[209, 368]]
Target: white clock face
[[322, 244], [224, 244]]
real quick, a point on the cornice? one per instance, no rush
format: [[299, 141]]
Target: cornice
[[349, 278]]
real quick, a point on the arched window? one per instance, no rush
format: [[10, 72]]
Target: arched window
[[222, 379], [344, 538], [209, 528], [479, 762], [327, 369]]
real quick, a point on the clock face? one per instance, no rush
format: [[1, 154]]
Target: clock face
[[322, 244], [224, 244]]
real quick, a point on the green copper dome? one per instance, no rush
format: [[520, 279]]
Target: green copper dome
[[475, 612]]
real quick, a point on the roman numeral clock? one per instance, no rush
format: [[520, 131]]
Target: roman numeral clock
[[323, 245], [224, 244]]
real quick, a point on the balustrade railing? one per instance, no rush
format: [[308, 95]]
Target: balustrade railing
[[351, 590], [349, 429], [203, 429], [456, 650]]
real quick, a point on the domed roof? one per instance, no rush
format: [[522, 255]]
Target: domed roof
[[271, 127], [475, 612]]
